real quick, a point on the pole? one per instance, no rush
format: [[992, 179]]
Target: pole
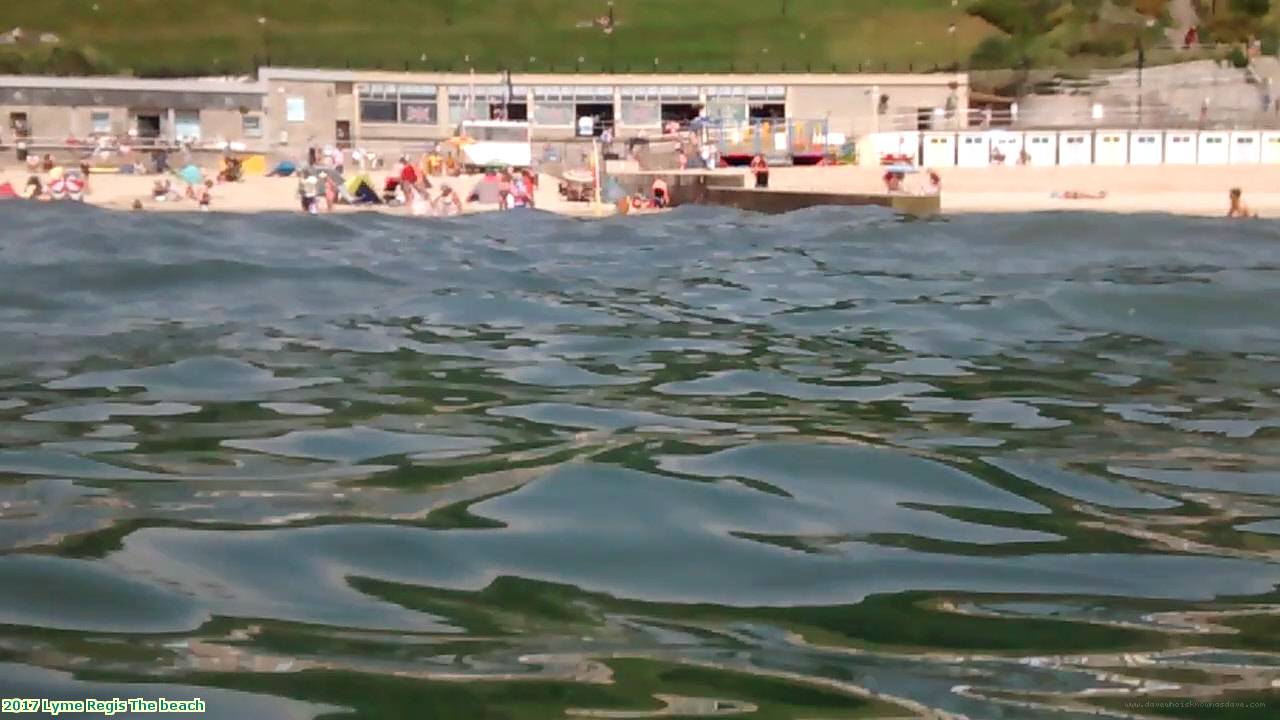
[[1142, 58], [597, 177]]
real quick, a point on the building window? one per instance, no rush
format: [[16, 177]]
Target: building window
[[639, 113], [558, 114], [378, 103], [251, 126], [187, 126], [295, 109], [100, 122]]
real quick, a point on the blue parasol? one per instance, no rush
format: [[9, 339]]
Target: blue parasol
[[191, 175]]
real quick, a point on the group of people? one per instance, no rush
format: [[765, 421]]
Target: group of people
[[47, 180]]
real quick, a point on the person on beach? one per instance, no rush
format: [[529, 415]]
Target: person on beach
[[504, 191], [309, 191], [34, 189], [449, 203], [1238, 210], [935, 183], [521, 194], [892, 181], [661, 195], [419, 203], [205, 196], [682, 158], [530, 184], [760, 168]]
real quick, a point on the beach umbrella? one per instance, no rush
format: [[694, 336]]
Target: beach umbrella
[[191, 175], [903, 169]]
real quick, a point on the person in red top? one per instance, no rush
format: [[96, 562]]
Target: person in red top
[[760, 168], [408, 173]]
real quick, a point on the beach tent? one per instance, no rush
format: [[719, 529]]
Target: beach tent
[[283, 169], [1180, 147], [1042, 147], [939, 149], [360, 189], [973, 149], [486, 191], [1075, 147], [1270, 151], [1146, 147], [1111, 147], [1006, 143], [1246, 147], [1214, 148]]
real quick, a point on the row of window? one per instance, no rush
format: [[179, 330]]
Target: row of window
[[579, 93]]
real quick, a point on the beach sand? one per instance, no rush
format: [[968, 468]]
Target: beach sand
[[1176, 189], [1180, 190], [272, 194]]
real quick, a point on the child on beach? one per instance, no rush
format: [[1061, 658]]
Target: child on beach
[[1238, 209], [205, 196]]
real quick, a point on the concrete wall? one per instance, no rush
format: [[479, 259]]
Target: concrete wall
[[319, 124]]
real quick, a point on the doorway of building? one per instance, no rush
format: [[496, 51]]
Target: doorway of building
[[147, 125], [19, 125], [342, 133], [682, 113], [600, 113]]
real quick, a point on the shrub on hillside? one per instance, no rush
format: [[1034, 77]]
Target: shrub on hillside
[[1102, 47], [1017, 17], [1237, 57], [995, 53], [1255, 8]]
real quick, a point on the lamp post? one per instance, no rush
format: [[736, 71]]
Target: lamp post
[[1142, 60], [266, 42], [609, 31]]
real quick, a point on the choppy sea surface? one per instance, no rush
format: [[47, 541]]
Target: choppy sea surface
[[822, 465]]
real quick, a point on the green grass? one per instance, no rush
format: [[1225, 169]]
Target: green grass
[[186, 36]]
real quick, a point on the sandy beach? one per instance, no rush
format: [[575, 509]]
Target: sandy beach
[[1180, 190], [1196, 190]]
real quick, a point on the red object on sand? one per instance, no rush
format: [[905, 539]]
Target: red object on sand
[[7, 192]]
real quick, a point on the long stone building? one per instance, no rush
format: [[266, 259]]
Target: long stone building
[[288, 107]]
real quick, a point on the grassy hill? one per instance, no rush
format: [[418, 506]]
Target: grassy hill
[[170, 37], [183, 37]]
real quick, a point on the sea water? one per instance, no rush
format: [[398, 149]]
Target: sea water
[[522, 466]]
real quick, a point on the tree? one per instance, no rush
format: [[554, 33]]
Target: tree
[[1255, 8]]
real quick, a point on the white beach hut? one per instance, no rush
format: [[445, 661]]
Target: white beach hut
[[905, 143], [1006, 144], [939, 149], [1111, 147], [1075, 147], [1246, 147], [1180, 147], [974, 149], [1270, 150], [1146, 147], [1041, 147], [1214, 148]]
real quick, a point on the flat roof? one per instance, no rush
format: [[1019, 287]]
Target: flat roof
[[222, 86], [524, 78]]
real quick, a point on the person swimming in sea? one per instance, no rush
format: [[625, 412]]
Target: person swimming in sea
[[1238, 209]]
